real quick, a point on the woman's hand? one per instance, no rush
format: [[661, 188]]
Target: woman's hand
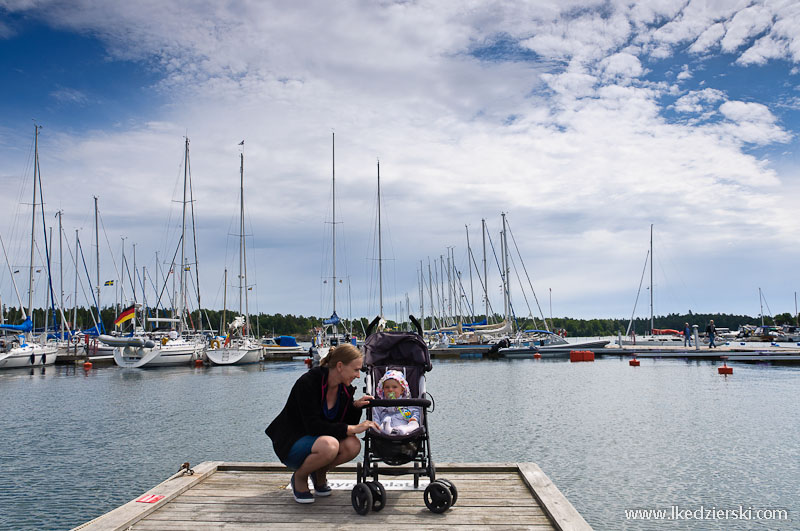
[[363, 401], [361, 428]]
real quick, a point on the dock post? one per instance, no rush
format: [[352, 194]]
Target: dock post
[[696, 337]]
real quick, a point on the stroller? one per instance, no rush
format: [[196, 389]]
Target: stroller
[[406, 352]]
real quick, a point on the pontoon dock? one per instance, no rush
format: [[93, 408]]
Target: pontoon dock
[[220, 495]]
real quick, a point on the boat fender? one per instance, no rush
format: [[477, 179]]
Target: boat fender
[[215, 344], [164, 340], [149, 344]]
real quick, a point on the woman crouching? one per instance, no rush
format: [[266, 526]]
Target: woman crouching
[[317, 428]]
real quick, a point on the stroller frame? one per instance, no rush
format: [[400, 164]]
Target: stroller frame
[[368, 494]]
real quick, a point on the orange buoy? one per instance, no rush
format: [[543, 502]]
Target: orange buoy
[[725, 369], [87, 366], [634, 362], [307, 361], [537, 356], [198, 363]]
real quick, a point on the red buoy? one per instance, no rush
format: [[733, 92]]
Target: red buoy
[[634, 362], [198, 363], [725, 369], [87, 366], [537, 356], [307, 361]]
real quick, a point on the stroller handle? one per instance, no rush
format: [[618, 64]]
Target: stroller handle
[[371, 327], [400, 402]]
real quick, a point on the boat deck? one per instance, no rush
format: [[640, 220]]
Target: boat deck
[[239, 496]]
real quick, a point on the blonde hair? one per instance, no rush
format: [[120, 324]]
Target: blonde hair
[[346, 353]]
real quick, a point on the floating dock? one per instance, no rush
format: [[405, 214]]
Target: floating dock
[[239, 496]]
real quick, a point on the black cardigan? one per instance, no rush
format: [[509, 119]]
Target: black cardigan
[[302, 415]]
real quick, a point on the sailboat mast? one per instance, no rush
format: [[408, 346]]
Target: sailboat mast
[[485, 277], [242, 251], [651, 278], [469, 264], [333, 207], [506, 270], [75, 292], [97, 257], [183, 238], [430, 293], [61, 266], [761, 305], [224, 302], [33, 215], [421, 296], [380, 250]]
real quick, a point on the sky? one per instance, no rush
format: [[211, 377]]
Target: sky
[[585, 122]]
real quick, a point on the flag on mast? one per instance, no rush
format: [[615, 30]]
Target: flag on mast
[[126, 315]]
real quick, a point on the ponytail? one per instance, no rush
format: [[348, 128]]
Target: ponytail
[[346, 353]]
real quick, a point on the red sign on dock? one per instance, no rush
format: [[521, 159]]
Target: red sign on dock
[[149, 498]]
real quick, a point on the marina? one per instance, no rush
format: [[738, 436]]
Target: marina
[[220, 495]]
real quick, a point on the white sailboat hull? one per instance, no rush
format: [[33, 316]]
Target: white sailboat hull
[[174, 353], [28, 356], [235, 355]]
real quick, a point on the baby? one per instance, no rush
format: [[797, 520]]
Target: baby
[[395, 420]]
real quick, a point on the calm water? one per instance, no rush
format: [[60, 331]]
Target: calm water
[[610, 436]]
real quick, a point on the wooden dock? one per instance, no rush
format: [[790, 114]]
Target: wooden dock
[[246, 496]]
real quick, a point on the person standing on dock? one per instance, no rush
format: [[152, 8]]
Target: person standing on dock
[[711, 330], [317, 428], [687, 335]]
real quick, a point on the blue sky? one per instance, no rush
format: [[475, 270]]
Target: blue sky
[[584, 121]]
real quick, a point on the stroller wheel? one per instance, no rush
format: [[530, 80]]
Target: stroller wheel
[[437, 497], [361, 497], [453, 489], [359, 468], [378, 495]]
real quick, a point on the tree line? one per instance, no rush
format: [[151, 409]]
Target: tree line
[[303, 326]]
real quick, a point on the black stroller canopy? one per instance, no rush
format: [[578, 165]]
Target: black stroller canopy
[[396, 348]]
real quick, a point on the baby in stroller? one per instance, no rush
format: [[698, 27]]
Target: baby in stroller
[[395, 420]]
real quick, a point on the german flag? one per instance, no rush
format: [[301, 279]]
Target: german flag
[[126, 315]]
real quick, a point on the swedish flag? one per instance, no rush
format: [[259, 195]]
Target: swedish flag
[[109, 283]]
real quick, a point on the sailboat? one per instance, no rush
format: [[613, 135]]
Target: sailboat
[[20, 350], [239, 348], [174, 349], [656, 337]]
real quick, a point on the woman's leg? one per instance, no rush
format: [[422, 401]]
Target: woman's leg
[[348, 449], [325, 450]]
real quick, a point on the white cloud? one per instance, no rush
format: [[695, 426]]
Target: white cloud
[[708, 39], [752, 122], [69, 95], [623, 65], [684, 74], [697, 101], [745, 24]]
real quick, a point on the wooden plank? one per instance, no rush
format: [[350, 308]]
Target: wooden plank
[[552, 501], [147, 525], [233, 466], [418, 517], [344, 500], [186, 512], [124, 516]]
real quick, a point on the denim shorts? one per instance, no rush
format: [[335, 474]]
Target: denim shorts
[[300, 450]]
